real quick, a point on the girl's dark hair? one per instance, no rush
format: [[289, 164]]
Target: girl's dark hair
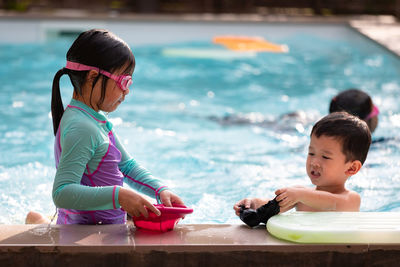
[[351, 131], [354, 102], [97, 48]]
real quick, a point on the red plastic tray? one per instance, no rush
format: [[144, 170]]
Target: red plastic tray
[[169, 217]]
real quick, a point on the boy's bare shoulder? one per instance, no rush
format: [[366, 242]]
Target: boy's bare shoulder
[[354, 195], [353, 201], [351, 194]]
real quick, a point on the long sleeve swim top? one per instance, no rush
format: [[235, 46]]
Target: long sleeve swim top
[[83, 141]]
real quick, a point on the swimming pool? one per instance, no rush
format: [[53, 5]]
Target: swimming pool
[[173, 120]]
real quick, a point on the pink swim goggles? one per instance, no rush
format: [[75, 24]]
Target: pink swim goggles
[[123, 81], [374, 113]]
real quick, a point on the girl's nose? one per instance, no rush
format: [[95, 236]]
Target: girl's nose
[[126, 91]]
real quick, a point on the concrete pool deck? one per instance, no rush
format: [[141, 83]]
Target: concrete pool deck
[[186, 245], [383, 29], [191, 245]]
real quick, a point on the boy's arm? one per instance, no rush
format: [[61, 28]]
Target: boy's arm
[[318, 200]]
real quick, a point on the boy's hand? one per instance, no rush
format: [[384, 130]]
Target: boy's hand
[[167, 198], [288, 197], [249, 203]]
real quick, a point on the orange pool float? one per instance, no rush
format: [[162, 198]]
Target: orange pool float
[[245, 43]]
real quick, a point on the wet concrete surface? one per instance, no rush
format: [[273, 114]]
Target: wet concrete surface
[[186, 245]]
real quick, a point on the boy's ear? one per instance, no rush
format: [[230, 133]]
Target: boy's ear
[[354, 167]]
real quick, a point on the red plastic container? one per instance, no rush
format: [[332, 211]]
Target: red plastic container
[[169, 217]]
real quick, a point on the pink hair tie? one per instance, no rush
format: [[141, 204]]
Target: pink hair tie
[[374, 113]]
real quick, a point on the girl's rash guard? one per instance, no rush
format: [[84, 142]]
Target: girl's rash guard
[[86, 177]]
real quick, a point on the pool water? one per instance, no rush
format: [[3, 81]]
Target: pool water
[[172, 122]]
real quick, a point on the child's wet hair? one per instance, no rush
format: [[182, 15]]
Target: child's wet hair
[[353, 101], [351, 131], [97, 48]]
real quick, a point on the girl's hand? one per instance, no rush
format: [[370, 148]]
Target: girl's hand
[[167, 198], [135, 204], [288, 197], [249, 203]]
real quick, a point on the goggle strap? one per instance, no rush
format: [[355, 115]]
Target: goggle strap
[[124, 80], [79, 67]]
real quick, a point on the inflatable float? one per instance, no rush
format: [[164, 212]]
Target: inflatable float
[[205, 53], [245, 43], [337, 227], [236, 47]]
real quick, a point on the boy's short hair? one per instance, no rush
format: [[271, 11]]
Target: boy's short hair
[[352, 132]]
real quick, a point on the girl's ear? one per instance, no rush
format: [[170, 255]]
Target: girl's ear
[[92, 74], [354, 167]]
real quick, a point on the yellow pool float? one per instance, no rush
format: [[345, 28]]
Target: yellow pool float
[[246, 44]]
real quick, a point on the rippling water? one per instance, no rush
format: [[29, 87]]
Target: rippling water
[[173, 120]]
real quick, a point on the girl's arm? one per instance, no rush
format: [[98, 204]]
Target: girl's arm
[[318, 200], [138, 177], [78, 147], [83, 142]]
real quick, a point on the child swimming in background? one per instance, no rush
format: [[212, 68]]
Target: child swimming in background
[[91, 162], [357, 103], [353, 101], [294, 121], [338, 148]]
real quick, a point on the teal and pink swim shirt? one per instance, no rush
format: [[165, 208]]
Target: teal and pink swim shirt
[[92, 165]]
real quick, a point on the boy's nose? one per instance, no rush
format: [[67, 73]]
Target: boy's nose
[[315, 164]]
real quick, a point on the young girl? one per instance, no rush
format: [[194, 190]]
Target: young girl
[[92, 164]]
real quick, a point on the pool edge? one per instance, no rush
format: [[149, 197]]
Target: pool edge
[[187, 245]]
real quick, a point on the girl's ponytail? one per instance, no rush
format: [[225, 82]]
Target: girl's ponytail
[[57, 107]]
